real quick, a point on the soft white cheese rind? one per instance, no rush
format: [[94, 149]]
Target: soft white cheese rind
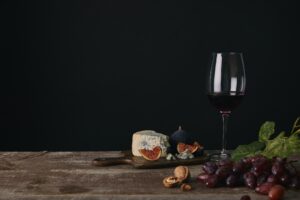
[[148, 139]]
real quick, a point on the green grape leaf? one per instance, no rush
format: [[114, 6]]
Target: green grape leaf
[[282, 146], [247, 150], [296, 126], [275, 147], [265, 131]]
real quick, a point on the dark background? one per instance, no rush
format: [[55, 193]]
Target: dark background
[[85, 75]]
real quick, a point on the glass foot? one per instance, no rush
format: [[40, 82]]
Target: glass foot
[[219, 156]]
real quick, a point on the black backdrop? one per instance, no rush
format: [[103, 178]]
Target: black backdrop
[[85, 75]]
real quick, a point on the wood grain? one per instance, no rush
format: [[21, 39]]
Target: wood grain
[[70, 175]]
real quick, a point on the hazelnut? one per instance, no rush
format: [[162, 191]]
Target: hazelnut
[[182, 173], [170, 181], [185, 187]]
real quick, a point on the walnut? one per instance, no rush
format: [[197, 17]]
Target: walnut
[[182, 173], [171, 181]]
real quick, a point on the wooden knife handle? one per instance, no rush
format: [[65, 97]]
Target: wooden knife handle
[[101, 162]]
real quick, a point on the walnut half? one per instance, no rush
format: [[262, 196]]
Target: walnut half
[[182, 173], [170, 181]]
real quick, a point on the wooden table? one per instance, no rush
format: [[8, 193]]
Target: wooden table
[[70, 175]]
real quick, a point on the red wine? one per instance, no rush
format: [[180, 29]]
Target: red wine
[[225, 102]]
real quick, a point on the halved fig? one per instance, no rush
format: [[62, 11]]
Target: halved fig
[[181, 147], [151, 155]]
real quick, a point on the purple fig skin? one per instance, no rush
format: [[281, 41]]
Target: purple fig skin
[[180, 136]]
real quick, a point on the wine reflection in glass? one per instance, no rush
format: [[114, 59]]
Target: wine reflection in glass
[[226, 83]]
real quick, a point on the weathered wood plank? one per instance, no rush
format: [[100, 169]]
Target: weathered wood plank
[[70, 175]]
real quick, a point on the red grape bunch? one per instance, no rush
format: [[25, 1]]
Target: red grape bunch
[[266, 176]]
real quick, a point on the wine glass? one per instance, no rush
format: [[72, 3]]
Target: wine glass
[[226, 85]]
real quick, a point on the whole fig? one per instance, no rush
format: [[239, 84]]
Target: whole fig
[[179, 136]]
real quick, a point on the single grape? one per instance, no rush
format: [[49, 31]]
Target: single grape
[[261, 166], [285, 179], [257, 169], [250, 180], [253, 159], [276, 192], [247, 161], [261, 179], [277, 169], [281, 161], [264, 188], [295, 182], [223, 172], [273, 179], [232, 180], [210, 167], [245, 197], [291, 169], [202, 177], [212, 181], [241, 179], [258, 158], [225, 163], [239, 167]]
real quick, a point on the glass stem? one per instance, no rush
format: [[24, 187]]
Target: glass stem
[[225, 118]]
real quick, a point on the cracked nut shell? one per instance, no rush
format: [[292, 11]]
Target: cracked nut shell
[[170, 181], [182, 173]]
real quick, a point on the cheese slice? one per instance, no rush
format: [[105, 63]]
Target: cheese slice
[[148, 139]]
